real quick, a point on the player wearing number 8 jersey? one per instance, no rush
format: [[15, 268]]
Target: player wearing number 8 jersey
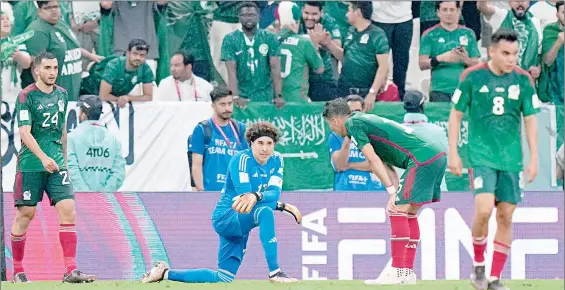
[[496, 94], [40, 111], [385, 144]]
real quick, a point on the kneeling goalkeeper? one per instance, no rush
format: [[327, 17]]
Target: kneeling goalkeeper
[[248, 200]]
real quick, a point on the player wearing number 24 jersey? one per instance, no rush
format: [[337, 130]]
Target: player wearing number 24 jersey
[[40, 112], [496, 95], [385, 144]]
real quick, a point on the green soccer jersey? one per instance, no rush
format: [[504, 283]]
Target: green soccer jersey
[[251, 57], [122, 80], [360, 56], [25, 13], [338, 10], [394, 143], [436, 41], [46, 114], [298, 57], [59, 40], [495, 105], [332, 28]]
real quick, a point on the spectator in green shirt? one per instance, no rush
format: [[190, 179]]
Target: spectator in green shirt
[[447, 49], [123, 73], [364, 56]]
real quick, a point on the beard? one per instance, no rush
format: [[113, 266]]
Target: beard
[[48, 81], [521, 16]]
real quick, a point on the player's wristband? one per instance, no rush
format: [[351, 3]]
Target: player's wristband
[[258, 195], [434, 62], [391, 190]]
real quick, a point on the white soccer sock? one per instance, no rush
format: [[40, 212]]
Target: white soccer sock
[[166, 276]]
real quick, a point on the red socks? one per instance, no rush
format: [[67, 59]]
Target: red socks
[[68, 239], [400, 234], [479, 247], [411, 247], [18, 249], [498, 259]]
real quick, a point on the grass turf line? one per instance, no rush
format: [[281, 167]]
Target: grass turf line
[[264, 285]]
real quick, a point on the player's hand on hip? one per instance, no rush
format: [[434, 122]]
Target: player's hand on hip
[[531, 171], [455, 164], [245, 203], [50, 165]]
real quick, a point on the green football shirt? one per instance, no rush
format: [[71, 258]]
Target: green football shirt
[[59, 40], [122, 80], [227, 11], [394, 143], [332, 28], [495, 104], [436, 41], [25, 13], [46, 114], [252, 61], [298, 57], [338, 10], [360, 56]]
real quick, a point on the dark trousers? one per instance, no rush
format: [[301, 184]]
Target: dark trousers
[[321, 91], [436, 96], [399, 36], [345, 90]]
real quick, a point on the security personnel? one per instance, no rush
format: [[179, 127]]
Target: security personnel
[[94, 154]]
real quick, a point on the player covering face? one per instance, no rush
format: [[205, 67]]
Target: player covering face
[[496, 94], [249, 199], [387, 144]]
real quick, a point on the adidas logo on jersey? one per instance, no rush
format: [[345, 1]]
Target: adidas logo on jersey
[[40, 107], [255, 175], [484, 89]]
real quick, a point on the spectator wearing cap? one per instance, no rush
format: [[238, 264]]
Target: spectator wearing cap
[[447, 49], [417, 120], [94, 154], [364, 56], [183, 84], [122, 74], [352, 172]]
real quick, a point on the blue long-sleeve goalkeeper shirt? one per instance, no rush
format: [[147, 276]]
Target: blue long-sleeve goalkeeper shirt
[[95, 160]]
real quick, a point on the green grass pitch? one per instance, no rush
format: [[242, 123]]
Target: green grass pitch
[[264, 285]]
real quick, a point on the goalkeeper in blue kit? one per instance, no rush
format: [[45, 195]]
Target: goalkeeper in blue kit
[[249, 199]]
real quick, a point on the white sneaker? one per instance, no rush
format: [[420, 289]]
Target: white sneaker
[[282, 277], [156, 273], [392, 276], [409, 276]]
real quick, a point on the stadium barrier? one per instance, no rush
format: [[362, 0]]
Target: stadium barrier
[[343, 236], [154, 142]]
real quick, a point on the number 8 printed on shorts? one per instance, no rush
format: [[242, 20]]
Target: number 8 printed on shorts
[[498, 106]]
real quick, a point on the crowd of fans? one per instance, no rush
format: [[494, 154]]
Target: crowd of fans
[[276, 51]]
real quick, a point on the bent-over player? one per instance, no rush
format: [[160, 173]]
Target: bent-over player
[[386, 143]]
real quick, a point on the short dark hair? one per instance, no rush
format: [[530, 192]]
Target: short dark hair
[[187, 57], [438, 3], [42, 56], [366, 8], [248, 5], [40, 4], [218, 93], [138, 44], [261, 129], [336, 108], [559, 4], [504, 34], [356, 98], [318, 4]]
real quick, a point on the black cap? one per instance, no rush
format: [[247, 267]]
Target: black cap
[[91, 105], [413, 101]]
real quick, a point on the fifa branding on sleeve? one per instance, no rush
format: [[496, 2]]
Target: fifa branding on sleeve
[[243, 177], [353, 140], [275, 181]]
